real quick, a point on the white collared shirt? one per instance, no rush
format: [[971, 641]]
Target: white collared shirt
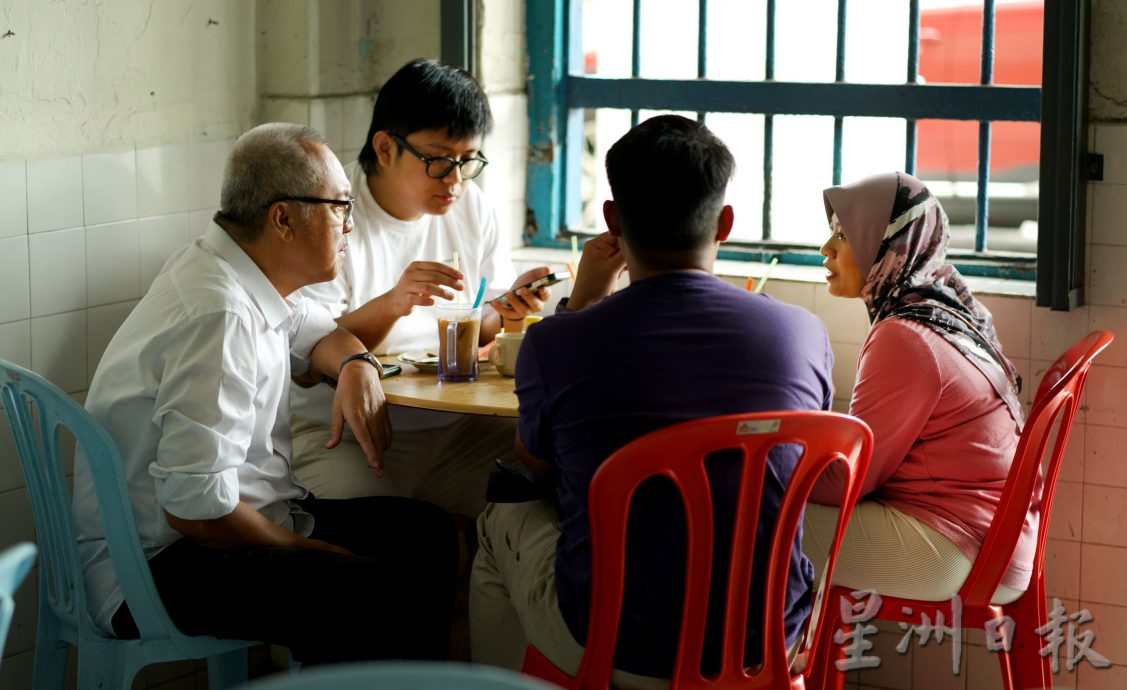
[[194, 390]]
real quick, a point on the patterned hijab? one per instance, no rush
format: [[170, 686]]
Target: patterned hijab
[[898, 234]]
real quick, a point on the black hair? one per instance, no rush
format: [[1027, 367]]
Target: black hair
[[668, 176], [427, 94]]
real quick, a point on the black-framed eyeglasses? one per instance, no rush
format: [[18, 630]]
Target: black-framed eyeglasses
[[341, 207], [439, 167]]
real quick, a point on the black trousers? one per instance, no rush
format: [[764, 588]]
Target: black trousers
[[392, 600]]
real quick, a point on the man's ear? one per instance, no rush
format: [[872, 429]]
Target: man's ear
[[610, 215], [279, 220], [382, 144], [724, 223]]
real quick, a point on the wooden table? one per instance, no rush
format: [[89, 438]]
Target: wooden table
[[491, 394]]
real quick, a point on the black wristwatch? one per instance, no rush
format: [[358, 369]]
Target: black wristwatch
[[367, 357]]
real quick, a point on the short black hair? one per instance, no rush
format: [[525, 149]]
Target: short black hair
[[427, 94], [668, 176]]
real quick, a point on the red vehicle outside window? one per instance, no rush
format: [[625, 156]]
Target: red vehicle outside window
[[947, 150]]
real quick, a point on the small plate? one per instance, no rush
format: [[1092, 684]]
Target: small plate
[[423, 361], [428, 361]]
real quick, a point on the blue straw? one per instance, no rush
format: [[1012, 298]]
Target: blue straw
[[480, 293]]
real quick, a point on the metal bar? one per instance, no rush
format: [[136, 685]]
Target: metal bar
[[986, 77], [982, 207], [768, 127], [1064, 133], [941, 101], [913, 77], [839, 77], [636, 54], [702, 46]]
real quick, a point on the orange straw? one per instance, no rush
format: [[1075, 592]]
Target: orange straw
[[750, 284], [572, 271]]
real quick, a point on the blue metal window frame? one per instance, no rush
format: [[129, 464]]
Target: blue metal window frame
[[557, 98]]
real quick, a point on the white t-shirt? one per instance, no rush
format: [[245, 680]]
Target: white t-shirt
[[193, 389], [380, 247]]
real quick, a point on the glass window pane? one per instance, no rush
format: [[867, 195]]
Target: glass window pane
[[601, 128], [1019, 37], [743, 134], [871, 145], [951, 42], [805, 40], [737, 39], [803, 168], [669, 39], [605, 41], [947, 161], [876, 43]]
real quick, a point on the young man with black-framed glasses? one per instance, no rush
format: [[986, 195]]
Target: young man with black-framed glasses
[[417, 207]]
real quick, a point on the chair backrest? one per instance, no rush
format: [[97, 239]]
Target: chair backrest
[[37, 411], [1054, 408], [403, 675], [678, 453], [15, 562]]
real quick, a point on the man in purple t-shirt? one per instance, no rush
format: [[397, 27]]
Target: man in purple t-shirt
[[677, 344]]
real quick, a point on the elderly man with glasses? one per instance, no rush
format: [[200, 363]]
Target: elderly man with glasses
[[194, 390], [416, 208]]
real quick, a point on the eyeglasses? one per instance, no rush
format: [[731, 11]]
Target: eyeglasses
[[342, 208], [439, 167]]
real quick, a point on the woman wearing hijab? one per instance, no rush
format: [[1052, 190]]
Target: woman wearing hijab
[[938, 393]]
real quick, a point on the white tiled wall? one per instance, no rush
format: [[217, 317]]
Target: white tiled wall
[[86, 234]]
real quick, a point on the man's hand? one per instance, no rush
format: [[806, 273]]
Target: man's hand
[[522, 301], [420, 283], [359, 400], [601, 266]]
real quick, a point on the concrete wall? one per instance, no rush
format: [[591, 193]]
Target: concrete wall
[[79, 76]]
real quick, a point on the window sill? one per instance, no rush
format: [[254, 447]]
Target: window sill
[[788, 272]]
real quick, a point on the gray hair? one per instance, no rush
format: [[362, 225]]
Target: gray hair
[[267, 162]]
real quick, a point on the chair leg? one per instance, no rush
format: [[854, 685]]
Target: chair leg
[[823, 673], [1023, 668], [51, 653], [102, 667], [227, 670]]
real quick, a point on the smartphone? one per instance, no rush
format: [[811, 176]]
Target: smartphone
[[542, 281], [391, 370]]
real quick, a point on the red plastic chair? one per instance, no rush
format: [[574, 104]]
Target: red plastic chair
[[678, 453], [1023, 667]]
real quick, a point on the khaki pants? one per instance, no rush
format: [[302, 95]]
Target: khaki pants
[[893, 553], [513, 593], [448, 466]]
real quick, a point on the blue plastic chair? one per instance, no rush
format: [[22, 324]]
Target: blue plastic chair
[[36, 411], [403, 675], [15, 562]]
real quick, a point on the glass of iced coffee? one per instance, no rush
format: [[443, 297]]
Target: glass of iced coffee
[[458, 331]]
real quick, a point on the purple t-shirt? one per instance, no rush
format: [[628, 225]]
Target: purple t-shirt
[[667, 349]]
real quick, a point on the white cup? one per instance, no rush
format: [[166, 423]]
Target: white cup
[[504, 352]]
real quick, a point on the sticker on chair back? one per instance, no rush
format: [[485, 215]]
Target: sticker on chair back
[[759, 426]]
